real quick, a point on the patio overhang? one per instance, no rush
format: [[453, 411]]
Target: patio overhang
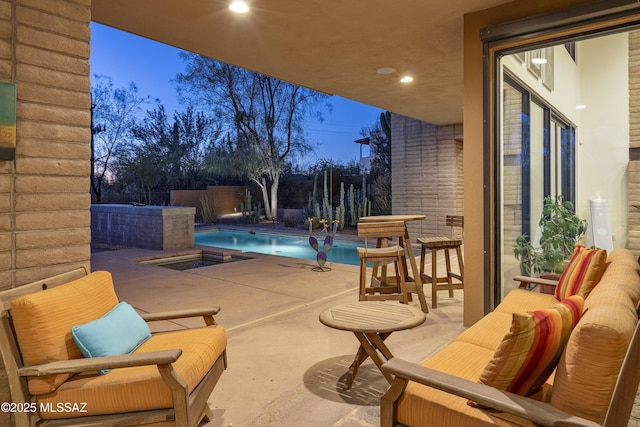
[[342, 48]]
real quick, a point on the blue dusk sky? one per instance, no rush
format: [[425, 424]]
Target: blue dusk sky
[[152, 66]]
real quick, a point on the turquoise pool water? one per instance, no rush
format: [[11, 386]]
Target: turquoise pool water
[[342, 252]]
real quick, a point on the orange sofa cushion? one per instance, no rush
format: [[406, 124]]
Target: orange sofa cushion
[[422, 406], [489, 331], [43, 322], [530, 351], [582, 274], [520, 300], [141, 388], [588, 369]]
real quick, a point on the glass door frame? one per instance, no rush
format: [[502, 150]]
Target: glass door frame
[[563, 26]]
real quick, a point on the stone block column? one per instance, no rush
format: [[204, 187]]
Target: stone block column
[[44, 192]]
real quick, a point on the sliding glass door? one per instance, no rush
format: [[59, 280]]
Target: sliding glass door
[[538, 161], [564, 129]]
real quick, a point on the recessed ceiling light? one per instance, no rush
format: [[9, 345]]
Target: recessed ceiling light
[[239, 7], [386, 70], [538, 60], [581, 107], [406, 79]]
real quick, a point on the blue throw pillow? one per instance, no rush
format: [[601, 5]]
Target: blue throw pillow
[[120, 331]]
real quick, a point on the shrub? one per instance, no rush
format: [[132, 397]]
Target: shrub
[[209, 211]]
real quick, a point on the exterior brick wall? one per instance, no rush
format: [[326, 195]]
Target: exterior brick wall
[[633, 171], [44, 192], [426, 173]]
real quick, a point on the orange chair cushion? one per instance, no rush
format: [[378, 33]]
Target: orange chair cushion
[[141, 388], [530, 351], [43, 322]]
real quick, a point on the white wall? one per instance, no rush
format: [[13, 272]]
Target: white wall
[[603, 132], [599, 80]]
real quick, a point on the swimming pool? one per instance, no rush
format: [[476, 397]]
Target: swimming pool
[[343, 252]]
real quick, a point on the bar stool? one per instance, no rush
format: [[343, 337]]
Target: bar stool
[[445, 244], [380, 288]]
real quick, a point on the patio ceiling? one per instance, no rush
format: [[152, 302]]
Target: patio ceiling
[[334, 47]]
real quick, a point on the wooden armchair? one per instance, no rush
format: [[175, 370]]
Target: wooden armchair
[[166, 381]]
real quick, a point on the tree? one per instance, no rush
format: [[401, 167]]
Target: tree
[[178, 148], [380, 143], [264, 114], [113, 115]]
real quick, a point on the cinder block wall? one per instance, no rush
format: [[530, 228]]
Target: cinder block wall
[[150, 227], [427, 175], [44, 192]]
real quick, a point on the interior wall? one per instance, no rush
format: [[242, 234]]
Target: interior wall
[[603, 128]]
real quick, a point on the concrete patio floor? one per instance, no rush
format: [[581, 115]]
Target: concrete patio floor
[[284, 367]]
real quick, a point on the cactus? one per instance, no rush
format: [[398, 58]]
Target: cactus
[[341, 209], [359, 203], [352, 206], [250, 213], [327, 209], [315, 187]]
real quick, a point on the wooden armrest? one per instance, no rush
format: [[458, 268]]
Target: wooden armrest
[[180, 314], [538, 412], [163, 357], [526, 280]]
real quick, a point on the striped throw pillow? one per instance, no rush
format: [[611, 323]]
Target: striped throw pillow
[[583, 272], [529, 353]]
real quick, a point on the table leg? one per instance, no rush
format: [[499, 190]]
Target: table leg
[[369, 344], [416, 273], [378, 342], [361, 356]]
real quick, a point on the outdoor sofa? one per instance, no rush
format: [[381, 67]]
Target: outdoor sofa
[[594, 382], [55, 333]]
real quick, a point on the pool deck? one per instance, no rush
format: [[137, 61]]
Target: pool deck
[[285, 367]]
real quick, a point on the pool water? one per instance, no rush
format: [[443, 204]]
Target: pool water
[[342, 252]]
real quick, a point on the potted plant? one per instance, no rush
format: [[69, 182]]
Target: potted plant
[[560, 230]]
